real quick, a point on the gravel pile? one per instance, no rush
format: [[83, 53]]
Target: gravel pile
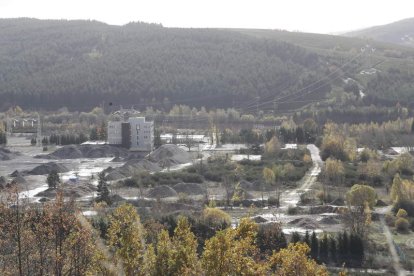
[[162, 191], [69, 190], [305, 223], [92, 151], [48, 168], [190, 188], [170, 155], [6, 154]]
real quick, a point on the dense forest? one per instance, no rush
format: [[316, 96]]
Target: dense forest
[[400, 32], [49, 64]]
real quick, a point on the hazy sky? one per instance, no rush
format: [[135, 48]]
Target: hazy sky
[[323, 16]]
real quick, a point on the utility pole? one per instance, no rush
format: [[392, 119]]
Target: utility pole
[[39, 132]]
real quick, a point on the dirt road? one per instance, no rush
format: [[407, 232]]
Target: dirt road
[[292, 197]]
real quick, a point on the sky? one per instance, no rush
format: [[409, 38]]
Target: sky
[[317, 16]]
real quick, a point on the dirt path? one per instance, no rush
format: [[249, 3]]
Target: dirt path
[[292, 197], [395, 258]]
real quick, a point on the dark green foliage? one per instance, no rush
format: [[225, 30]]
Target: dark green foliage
[[314, 246], [53, 179], [157, 139], [3, 138], [93, 136], [45, 141], [306, 238], [295, 237], [211, 67], [270, 237], [324, 249], [67, 139], [407, 205], [102, 224], [103, 191], [332, 249], [356, 250], [343, 247]]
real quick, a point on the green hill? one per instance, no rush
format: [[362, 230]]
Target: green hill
[[400, 32], [81, 64]]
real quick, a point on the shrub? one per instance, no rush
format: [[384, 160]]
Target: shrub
[[407, 205], [292, 210], [390, 219], [216, 218], [402, 213], [130, 182], [402, 225], [273, 201]]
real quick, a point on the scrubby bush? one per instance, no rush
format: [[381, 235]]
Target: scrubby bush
[[402, 225], [216, 218], [273, 201], [407, 205], [402, 213]]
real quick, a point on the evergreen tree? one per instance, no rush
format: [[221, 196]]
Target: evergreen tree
[[324, 248], [94, 134], [343, 247], [103, 191], [157, 139], [295, 237], [314, 246], [412, 127], [356, 249], [53, 179], [306, 238], [332, 249]]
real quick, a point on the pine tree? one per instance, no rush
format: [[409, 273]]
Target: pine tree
[[103, 191], [343, 247], [94, 134], [332, 249], [306, 238], [295, 237], [324, 248], [314, 246], [53, 179]]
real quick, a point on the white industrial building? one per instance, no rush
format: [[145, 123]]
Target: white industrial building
[[134, 133]]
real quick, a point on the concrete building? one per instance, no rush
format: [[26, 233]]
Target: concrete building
[[134, 133]]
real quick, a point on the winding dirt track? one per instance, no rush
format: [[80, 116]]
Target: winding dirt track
[[292, 197]]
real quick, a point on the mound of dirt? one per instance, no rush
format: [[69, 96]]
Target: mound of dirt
[[6, 154], [381, 203], [305, 223], [322, 209], [91, 151], [329, 220], [170, 155], [190, 188], [114, 175], [69, 190], [134, 166], [161, 192], [246, 185], [338, 202], [259, 219], [19, 180], [15, 173], [48, 168]]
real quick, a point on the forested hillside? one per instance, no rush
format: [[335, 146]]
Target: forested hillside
[[400, 32], [49, 64]]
